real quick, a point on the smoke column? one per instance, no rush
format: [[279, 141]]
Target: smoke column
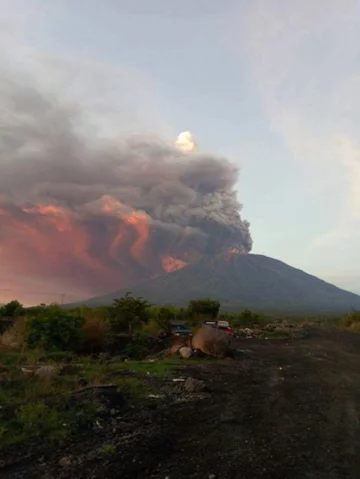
[[88, 216]]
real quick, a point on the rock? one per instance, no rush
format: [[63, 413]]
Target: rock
[[212, 342], [185, 352], [194, 385], [65, 462], [270, 327], [45, 371], [212, 476], [177, 343], [175, 348]]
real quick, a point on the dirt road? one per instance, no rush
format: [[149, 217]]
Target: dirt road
[[286, 409]]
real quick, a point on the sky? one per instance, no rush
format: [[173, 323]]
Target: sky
[[273, 85]]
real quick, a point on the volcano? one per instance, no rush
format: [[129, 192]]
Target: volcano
[[241, 281]]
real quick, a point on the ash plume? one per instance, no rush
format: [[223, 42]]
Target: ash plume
[[94, 215]]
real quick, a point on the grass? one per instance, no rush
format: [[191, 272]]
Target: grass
[[107, 449], [350, 322], [34, 407], [35, 420], [274, 335], [161, 369]]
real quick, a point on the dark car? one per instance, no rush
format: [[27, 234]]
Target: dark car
[[176, 329]]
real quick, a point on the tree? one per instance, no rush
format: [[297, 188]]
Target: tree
[[128, 313], [12, 309], [35, 310], [164, 317], [204, 307], [247, 318]]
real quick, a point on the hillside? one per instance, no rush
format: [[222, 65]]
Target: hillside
[[238, 281]]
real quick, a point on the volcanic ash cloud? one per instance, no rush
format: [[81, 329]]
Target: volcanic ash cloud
[[94, 216]]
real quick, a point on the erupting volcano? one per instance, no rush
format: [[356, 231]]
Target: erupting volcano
[[85, 217]]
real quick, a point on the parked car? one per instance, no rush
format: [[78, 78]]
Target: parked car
[[219, 324], [176, 329]]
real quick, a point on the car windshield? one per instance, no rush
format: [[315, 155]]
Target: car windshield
[[182, 327]]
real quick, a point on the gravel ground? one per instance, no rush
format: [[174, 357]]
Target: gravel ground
[[283, 409]]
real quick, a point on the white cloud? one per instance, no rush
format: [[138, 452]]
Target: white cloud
[[304, 61], [114, 98]]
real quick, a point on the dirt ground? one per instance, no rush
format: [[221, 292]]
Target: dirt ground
[[284, 409]]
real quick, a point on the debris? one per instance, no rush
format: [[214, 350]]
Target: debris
[[45, 371], [179, 380], [65, 462], [194, 385], [156, 396]]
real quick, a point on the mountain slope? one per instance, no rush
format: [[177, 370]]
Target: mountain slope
[[238, 281]]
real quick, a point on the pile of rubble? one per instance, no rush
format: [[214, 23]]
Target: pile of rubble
[[280, 328]]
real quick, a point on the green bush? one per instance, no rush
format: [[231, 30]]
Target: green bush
[[54, 329], [139, 346], [37, 420]]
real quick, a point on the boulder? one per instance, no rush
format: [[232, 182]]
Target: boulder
[[212, 342], [194, 385], [185, 352]]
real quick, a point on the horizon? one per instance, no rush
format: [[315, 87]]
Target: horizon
[[272, 87]]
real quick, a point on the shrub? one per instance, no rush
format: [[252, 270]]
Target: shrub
[[95, 330], [36, 420], [54, 329], [139, 347], [151, 328]]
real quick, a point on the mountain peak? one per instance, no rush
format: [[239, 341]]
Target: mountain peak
[[241, 281]]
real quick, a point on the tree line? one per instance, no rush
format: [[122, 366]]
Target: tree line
[[53, 327]]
